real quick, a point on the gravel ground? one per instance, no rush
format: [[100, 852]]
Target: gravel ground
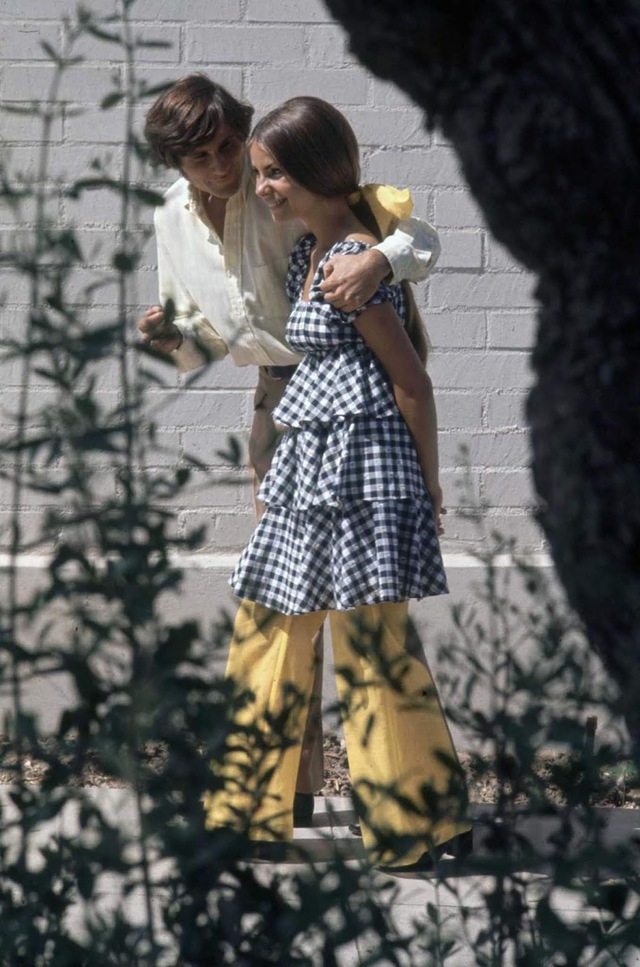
[[619, 784]]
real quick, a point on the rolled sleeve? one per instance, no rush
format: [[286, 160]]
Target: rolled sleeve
[[412, 250], [201, 343]]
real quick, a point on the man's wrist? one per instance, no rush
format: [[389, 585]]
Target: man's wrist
[[382, 265]]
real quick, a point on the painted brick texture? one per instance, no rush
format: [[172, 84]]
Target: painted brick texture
[[478, 304]]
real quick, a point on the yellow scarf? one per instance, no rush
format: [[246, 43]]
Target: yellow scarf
[[388, 205]]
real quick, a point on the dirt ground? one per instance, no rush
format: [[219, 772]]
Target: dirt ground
[[618, 785]]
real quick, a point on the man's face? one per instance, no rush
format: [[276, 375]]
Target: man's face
[[215, 168]]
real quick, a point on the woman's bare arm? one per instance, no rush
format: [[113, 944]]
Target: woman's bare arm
[[385, 335]]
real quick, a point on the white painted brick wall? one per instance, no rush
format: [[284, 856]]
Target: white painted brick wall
[[478, 305]]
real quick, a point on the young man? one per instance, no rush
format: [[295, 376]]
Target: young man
[[222, 262]]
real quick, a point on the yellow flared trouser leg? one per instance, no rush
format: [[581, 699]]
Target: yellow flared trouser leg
[[395, 736], [268, 652]]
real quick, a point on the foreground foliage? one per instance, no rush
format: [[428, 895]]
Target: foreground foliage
[[89, 879]]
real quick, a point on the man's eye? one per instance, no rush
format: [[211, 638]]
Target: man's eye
[[230, 146]]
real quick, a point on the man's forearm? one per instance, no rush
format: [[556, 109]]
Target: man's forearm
[[377, 264]]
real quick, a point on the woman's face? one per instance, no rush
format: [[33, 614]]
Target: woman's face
[[286, 199]]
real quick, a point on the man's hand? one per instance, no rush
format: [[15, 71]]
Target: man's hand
[[350, 280], [157, 333]]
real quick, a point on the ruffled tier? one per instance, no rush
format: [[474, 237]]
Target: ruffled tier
[[346, 382], [349, 460], [323, 558]]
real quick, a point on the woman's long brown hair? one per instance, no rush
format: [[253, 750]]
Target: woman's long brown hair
[[315, 144]]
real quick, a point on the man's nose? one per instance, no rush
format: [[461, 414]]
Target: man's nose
[[218, 165]]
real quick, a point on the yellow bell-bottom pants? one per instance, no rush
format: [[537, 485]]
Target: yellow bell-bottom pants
[[403, 764]]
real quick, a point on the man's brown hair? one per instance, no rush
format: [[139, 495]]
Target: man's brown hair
[[188, 114]]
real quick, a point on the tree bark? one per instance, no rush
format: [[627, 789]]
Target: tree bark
[[541, 102]]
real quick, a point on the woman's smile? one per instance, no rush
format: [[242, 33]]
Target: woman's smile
[[285, 197]]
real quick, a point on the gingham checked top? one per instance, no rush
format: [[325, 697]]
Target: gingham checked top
[[348, 520]]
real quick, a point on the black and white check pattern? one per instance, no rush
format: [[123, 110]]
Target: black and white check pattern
[[348, 519], [339, 376]]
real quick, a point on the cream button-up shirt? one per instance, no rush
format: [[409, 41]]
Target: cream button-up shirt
[[230, 298]]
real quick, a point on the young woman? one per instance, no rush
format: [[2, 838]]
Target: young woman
[[353, 505]]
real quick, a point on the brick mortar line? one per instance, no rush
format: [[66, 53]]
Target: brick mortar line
[[200, 562]]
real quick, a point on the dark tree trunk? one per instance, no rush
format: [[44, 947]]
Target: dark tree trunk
[[541, 101]]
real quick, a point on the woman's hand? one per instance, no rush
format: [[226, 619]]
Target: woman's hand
[[157, 333], [439, 510]]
